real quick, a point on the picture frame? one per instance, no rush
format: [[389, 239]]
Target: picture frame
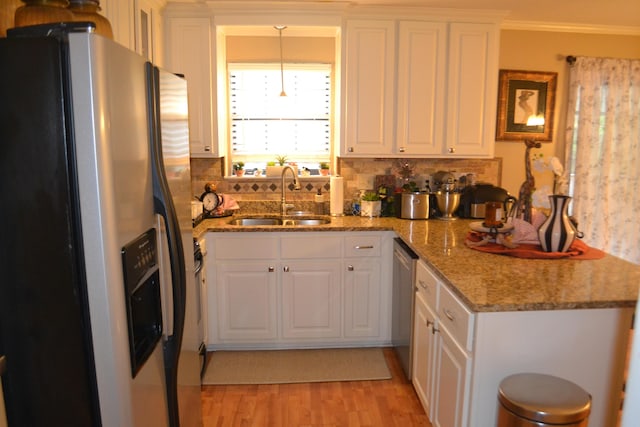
[[526, 102]]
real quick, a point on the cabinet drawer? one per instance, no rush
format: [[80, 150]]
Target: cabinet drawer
[[313, 246], [246, 247], [427, 285], [362, 246], [456, 318]]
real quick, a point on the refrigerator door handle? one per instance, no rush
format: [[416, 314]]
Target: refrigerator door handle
[[163, 205]]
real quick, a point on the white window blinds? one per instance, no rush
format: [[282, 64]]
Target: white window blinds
[[263, 122]]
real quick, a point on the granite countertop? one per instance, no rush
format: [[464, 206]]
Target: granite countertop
[[488, 282]]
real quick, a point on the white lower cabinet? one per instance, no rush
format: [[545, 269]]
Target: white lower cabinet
[[461, 357], [441, 365], [423, 353], [311, 299], [451, 382], [362, 290], [299, 289], [246, 301]]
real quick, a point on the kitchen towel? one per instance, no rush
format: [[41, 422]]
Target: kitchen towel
[[336, 192]]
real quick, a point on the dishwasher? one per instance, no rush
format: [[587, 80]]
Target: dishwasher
[[404, 267]]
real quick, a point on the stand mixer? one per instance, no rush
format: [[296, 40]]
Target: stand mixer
[[447, 198]]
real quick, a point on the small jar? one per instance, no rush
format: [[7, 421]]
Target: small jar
[[87, 10], [36, 12]]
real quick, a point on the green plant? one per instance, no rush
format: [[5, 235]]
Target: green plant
[[281, 160], [370, 196], [410, 187], [238, 166], [324, 165], [271, 163]]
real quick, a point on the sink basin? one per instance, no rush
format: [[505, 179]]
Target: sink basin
[[279, 221], [306, 221], [256, 221]]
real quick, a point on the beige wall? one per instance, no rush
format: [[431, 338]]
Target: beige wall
[[546, 51]]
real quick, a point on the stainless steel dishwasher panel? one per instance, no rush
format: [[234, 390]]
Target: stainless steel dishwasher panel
[[404, 268]]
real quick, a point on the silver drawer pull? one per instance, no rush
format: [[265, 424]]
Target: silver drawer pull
[[364, 247], [423, 284], [449, 314], [350, 268], [271, 269]]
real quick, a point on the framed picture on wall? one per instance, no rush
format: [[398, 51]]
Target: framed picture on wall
[[526, 101]]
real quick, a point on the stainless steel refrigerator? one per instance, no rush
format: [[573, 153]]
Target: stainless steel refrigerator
[[97, 288]]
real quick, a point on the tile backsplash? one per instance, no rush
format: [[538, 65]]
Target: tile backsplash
[[358, 174]]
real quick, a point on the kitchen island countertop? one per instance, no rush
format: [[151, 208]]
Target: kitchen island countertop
[[488, 282]]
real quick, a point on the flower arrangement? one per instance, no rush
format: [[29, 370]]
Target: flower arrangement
[[560, 185], [404, 168]]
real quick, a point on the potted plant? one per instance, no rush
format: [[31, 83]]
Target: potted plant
[[238, 167], [370, 205], [274, 169], [324, 168]]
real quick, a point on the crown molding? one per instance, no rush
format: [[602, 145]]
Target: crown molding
[[569, 27]]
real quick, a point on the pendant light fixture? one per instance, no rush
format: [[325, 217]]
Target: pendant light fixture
[[280, 28]]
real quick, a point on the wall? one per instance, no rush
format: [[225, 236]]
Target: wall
[[546, 51]]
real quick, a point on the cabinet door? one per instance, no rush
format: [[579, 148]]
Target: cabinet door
[[451, 387], [246, 302], [369, 109], [424, 352], [311, 299], [472, 90], [362, 298], [189, 52], [421, 89]]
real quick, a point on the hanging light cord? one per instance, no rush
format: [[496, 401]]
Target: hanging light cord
[[282, 92]]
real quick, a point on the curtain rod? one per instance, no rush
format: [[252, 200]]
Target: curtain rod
[[571, 59]]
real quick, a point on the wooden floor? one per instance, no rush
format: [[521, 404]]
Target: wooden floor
[[352, 403]]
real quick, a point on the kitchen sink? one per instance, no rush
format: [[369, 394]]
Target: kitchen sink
[[256, 221], [279, 221], [306, 221]]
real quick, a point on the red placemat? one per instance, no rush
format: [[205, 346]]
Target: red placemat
[[578, 250]]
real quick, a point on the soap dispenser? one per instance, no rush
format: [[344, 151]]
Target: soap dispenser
[[319, 202]]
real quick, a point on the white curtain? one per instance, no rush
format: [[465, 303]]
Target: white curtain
[[603, 153]]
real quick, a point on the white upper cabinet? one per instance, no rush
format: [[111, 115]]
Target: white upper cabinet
[[370, 94], [137, 25], [189, 52], [472, 90], [420, 88], [420, 103]]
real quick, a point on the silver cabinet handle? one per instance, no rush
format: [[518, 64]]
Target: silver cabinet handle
[[364, 247], [207, 148], [401, 149], [434, 329], [423, 285], [350, 268], [285, 269], [350, 149], [3, 365], [451, 150], [271, 269], [449, 314]]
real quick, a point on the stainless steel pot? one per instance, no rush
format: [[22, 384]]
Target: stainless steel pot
[[414, 205]]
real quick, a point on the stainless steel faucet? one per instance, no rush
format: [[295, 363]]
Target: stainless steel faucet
[[296, 186]]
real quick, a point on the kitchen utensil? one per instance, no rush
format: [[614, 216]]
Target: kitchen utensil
[[448, 202], [414, 205], [474, 197]]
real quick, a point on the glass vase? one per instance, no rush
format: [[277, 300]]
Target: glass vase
[[557, 233]]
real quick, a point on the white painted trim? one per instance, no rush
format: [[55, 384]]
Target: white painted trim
[[567, 27]]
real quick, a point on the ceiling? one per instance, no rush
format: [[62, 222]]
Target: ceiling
[[594, 14]]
